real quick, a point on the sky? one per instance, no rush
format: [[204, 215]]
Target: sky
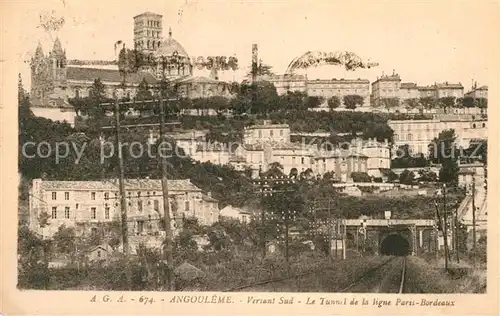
[[422, 41]]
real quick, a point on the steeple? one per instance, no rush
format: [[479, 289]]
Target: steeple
[[57, 48], [39, 52]]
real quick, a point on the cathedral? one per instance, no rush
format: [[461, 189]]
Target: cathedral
[[55, 79]]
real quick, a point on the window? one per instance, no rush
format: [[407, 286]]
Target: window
[[140, 226], [302, 160], [484, 125], [474, 125], [410, 136], [92, 195], [271, 133], [77, 93], [66, 196], [98, 253], [186, 206], [281, 132], [260, 134], [66, 212], [54, 212], [106, 213], [106, 196], [54, 195], [138, 194], [156, 205], [93, 213], [139, 206], [76, 206], [293, 160]]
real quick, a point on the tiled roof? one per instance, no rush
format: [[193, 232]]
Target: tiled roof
[[107, 75], [207, 198], [426, 88], [198, 80], [408, 85], [112, 185], [450, 85], [275, 146]]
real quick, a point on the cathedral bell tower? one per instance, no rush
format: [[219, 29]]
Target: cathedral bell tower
[[57, 59], [41, 81]]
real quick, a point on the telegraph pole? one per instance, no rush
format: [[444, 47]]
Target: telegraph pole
[[121, 179], [445, 234], [456, 235], [474, 218], [166, 205]]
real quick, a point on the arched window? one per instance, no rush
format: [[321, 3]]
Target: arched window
[[410, 136], [77, 93], [148, 44], [484, 125], [474, 125], [158, 44], [153, 44]]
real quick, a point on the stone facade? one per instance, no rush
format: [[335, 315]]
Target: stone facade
[[90, 203], [420, 133]]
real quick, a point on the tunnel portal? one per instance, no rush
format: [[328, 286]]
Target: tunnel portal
[[395, 245]]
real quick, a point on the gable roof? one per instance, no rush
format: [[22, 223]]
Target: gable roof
[[107, 75], [112, 185]]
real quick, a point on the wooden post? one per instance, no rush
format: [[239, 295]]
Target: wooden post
[[121, 179], [456, 235], [445, 229], [166, 206], [474, 219]]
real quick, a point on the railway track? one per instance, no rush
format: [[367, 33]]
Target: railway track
[[388, 277], [396, 266]]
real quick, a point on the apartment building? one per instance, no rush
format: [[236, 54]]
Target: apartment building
[[86, 204], [418, 134]]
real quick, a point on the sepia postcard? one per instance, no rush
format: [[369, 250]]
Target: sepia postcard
[[249, 157]]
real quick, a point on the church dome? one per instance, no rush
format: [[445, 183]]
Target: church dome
[[171, 47]]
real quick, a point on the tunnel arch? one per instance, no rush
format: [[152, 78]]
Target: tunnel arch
[[395, 245]]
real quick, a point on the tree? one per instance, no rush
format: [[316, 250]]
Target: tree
[[314, 101], [65, 239], [21, 93], [482, 103], [360, 177], [390, 102], [428, 102], [412, 103], [260, 69], [275, 170], [406, 159], [407, 177], [447, 102], [427, 175], [353, 100], [443, 150], [468, 102], [334, 102], [143, 91]]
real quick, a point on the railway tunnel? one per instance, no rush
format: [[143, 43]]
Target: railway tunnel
[[395, 245]]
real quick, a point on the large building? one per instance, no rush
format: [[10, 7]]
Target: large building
[[321, 87], [481, 92], [55, 79], [267, 143], [418, 134], [391, 87], [385, 87], [86, 204]]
